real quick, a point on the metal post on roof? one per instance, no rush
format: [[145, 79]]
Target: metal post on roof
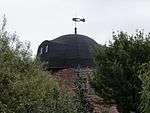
[[75, 30], [77, 20]]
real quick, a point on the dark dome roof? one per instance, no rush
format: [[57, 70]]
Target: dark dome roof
[[72, 38], [68, 51]]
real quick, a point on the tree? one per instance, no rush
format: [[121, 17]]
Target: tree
[[24, 87], [144, 75], [116, 77]]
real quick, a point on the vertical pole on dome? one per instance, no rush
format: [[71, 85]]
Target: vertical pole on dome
[[75, 29]]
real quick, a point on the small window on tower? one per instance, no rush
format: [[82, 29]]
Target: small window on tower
[[46, 49], [41, 51]]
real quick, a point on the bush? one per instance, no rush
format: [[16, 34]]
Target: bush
[[145, 93], [116, 78], [24, 87]]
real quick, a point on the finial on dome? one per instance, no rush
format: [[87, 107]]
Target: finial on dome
[[77, 20]]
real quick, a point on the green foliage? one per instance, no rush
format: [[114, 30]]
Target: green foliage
[[145, 94], [24, 87], [116, 78], [81, 92]]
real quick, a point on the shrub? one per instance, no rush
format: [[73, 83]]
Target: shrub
[[24, 87], [145, 93], [116, 77]]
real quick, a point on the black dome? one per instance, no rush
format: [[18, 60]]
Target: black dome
[[72, 38], [67, 51]]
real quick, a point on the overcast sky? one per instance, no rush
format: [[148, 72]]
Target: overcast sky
[[39, 20]]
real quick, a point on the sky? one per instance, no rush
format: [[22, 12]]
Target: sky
[[39, 20]]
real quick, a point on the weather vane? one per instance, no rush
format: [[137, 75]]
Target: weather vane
[[77, 20]]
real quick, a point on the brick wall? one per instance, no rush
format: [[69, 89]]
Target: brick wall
[[67, 78]]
